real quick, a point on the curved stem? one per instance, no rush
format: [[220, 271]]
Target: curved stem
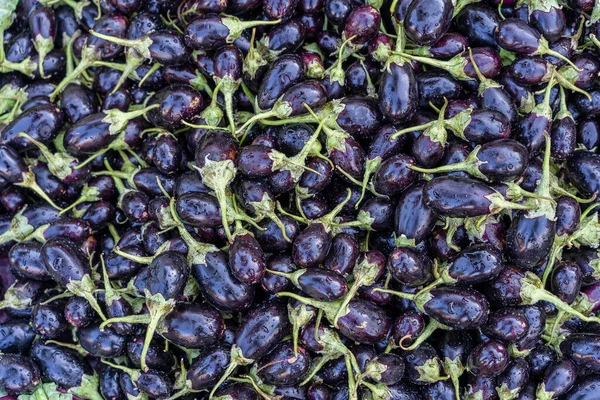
[[569, 85], [254, 118], [222, 198], [556, 54], [396, 293], [554, 252], [370, 167], [412, 129], [228, 94], [232, 366], [131, 319], [349, 295], [431, 327], [562, 306], [30, 183]]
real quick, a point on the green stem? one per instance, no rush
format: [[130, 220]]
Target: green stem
[[30, 183], [222, 198], [230, 368], [412, 129], [431, 327], [403, 295], [557, 247]]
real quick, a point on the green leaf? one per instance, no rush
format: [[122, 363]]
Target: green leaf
[[46, 391], [7, 9]]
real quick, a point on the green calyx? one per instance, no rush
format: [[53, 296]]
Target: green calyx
[[19, 229], [532, 291], [88, 389], [89, 56], [365, 274], [374, 370], [299, 316], [459, 122], [292, 276], [236, 359], [46, 391], [403, 241], [455, 66], [254, 60], [484, 83], [237, 26], [379, 391], [118, 119], [420, 299], [158, 308], [43, 45], [545, 207], [88, 194], [544, 49], [142, 45], [498, 204], [430, 371], [15, 298], [431, 327], [505, 393], [59, 164], [329, 308], [542, 394], [30, 183], [26, 67], [470, 165], [218, 175], [454, 369], [86, 288]]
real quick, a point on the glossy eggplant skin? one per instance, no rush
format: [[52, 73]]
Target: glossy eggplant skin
[[262, 329], [582, 350], [559, 378], [193, 326], [322, 284], [283, 73], [59, 365], [19, 374], [219, 285], [584, 172], [458, 308], [26, 261], [414, 218], [458, 197], [410, 266], [476, 264], [167, 275], [42, 123], [365, 322], [584, 389], [426, 21], [16, 336], [208, 367], [101, 343], [398, 92], [246, 259], [311, 246], [177, 103], [394, 175], [64, 260], [529, 240], [507, 325], [478, 23], [361, 117], [282, 367]]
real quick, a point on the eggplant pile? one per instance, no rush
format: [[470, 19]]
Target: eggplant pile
[[300, 199]]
